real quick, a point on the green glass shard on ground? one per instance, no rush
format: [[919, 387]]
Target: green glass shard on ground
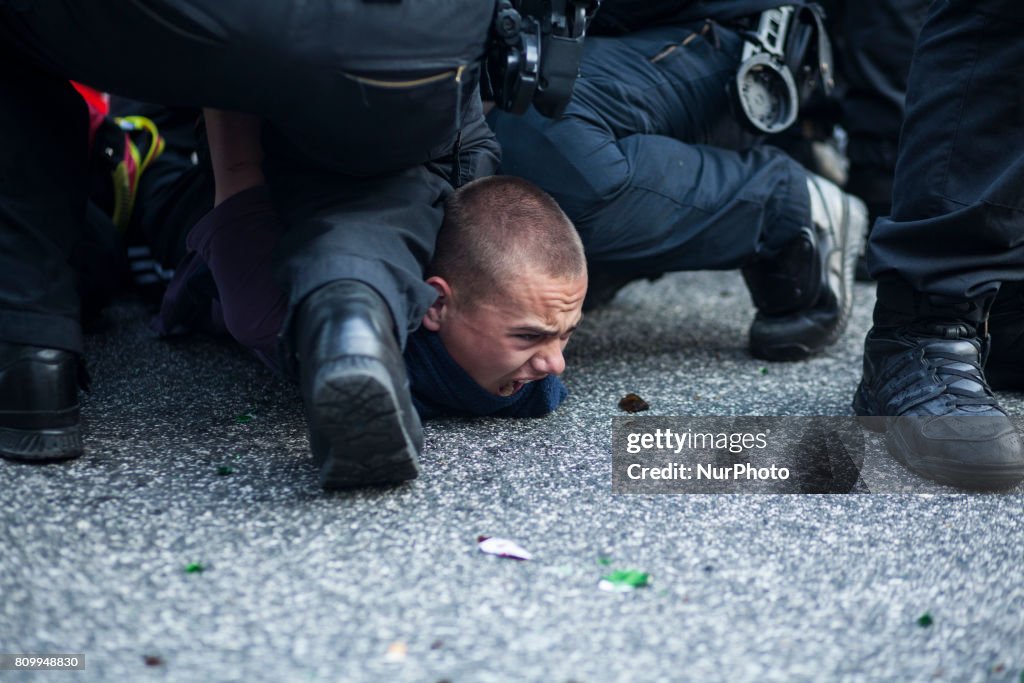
[[604, 561], [224, 470], [245, 418], [194, 568], [627, 579], [763, 371], [925, 620]]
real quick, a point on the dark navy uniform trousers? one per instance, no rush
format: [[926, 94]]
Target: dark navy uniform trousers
[[651, 164], [957, 223], [876, 41], [371, 108]]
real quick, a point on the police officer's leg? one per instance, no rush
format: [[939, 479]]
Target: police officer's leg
[[878, 43], [340, 60], [42, 205], [956, 232], [627, 166], [353, 264], [647, 204], [878, 39]]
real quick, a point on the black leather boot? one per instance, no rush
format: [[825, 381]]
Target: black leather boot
[[363, 428], [38, 404]]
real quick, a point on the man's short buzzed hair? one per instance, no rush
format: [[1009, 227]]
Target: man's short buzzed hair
[[499, 226]]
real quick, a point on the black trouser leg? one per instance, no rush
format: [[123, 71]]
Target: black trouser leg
[[44, 129], [328, 75], [957, 224], [878, 44], [43, 187], [379, 230]]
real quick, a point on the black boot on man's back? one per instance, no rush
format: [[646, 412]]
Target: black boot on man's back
[[363, 428], [923, 378]]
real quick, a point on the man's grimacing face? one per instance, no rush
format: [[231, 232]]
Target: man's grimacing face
[[505, 340]]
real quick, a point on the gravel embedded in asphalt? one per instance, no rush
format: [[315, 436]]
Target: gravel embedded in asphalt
[[389, 585]]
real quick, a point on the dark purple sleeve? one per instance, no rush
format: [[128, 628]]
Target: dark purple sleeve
[[236, 240]]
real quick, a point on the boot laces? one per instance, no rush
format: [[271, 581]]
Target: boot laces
[[942, 365], [960, 378]]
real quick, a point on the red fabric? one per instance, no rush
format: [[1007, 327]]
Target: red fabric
[[94, 98], [99, 107]]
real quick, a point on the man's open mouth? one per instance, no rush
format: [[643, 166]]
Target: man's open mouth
[[512, 387]]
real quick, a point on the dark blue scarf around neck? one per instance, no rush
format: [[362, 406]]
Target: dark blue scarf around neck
[[441, 388]]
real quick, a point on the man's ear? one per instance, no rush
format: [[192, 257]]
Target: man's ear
[[434, 318]]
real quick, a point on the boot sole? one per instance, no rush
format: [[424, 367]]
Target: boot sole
[[41, 445], [358, 431], [975, 476], [785, 353]]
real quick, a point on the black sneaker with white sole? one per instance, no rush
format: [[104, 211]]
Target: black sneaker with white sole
[[804, 294]]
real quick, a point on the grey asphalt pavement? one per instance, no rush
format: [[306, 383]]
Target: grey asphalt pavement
[[388, 584]]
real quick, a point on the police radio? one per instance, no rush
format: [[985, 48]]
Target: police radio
[[534, 53], [782, 63]]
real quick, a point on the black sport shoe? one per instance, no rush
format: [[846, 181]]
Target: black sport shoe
[[1005, 365], [363, 428], [804, 294], [38, 404], [926, 385]]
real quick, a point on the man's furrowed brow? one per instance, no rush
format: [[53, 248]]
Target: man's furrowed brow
[[534, 329], [543, 331]]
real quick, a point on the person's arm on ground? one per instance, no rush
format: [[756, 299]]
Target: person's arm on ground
[[236, 239]]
